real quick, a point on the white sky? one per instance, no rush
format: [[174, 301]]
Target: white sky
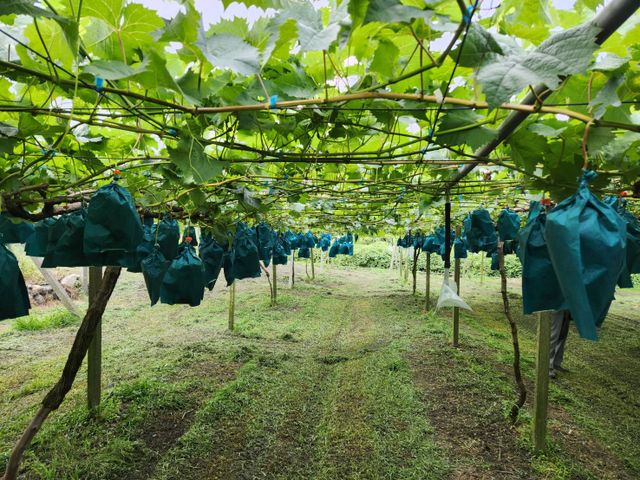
[[212, 10]]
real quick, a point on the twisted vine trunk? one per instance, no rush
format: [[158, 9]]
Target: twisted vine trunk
[[78, 352], [522, 389]]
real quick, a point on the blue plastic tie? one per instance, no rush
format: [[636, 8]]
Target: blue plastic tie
[[173, 132], [272, 101], [467, 16], [430, 134], [99, 84]]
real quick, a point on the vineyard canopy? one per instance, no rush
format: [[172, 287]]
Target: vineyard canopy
[[359, 114]]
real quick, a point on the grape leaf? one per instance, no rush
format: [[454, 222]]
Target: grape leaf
[[474, 137], [479, 47], [563, 54], [229, 51], [193, 162]]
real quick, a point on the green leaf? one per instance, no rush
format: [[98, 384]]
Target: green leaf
[[479, 47], [528, 20], [527, 149], [545, 130], [107, 10], [193, 162], [385, 58], [229, 51], [474, 137], [111, 69], [607, 96], [154, 73], [312, 33], [181, 28], [565, 53], [608, 62], [24, 7]]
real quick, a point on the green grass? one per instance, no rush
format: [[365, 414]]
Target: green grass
[[45, 321], [345, 378]]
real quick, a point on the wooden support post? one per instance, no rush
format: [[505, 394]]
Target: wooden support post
[[541, 400], [292, 275], [232, 305], [394, 248], [94, 354], [57, 287], [427, 301], [456, 310], [313, 269], [85, 280], [274, 274]]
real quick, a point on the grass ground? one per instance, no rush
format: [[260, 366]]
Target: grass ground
[[347, 378]]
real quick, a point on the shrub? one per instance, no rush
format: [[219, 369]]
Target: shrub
[[49, 320], [377, 254]]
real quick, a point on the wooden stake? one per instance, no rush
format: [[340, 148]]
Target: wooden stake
[[427, 301], [313, 269], [292, 276], [232, 305], [274, 274], [394, 247], [541, 399], [414, 269], [94, 354], [456, 310]]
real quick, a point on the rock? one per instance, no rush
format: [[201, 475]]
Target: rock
[[39, 300], [71, 282]]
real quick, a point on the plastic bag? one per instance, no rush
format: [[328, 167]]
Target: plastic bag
[[36, 244], [459, 248], [212, 256], [266, 240], [65, 242], [587, 245], [184, 281], [480, 231], [280, 255], [448, 296], [245, 259], [508, 225], [13, 230], [113, 225], [632, 263], [154, 267], [540, 286], [13, 291]]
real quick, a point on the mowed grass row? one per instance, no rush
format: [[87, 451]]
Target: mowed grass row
[[346, 377]]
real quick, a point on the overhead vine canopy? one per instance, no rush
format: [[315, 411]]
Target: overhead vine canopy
[[355, 113]]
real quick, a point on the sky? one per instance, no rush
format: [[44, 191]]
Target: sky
[[213, 10]]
